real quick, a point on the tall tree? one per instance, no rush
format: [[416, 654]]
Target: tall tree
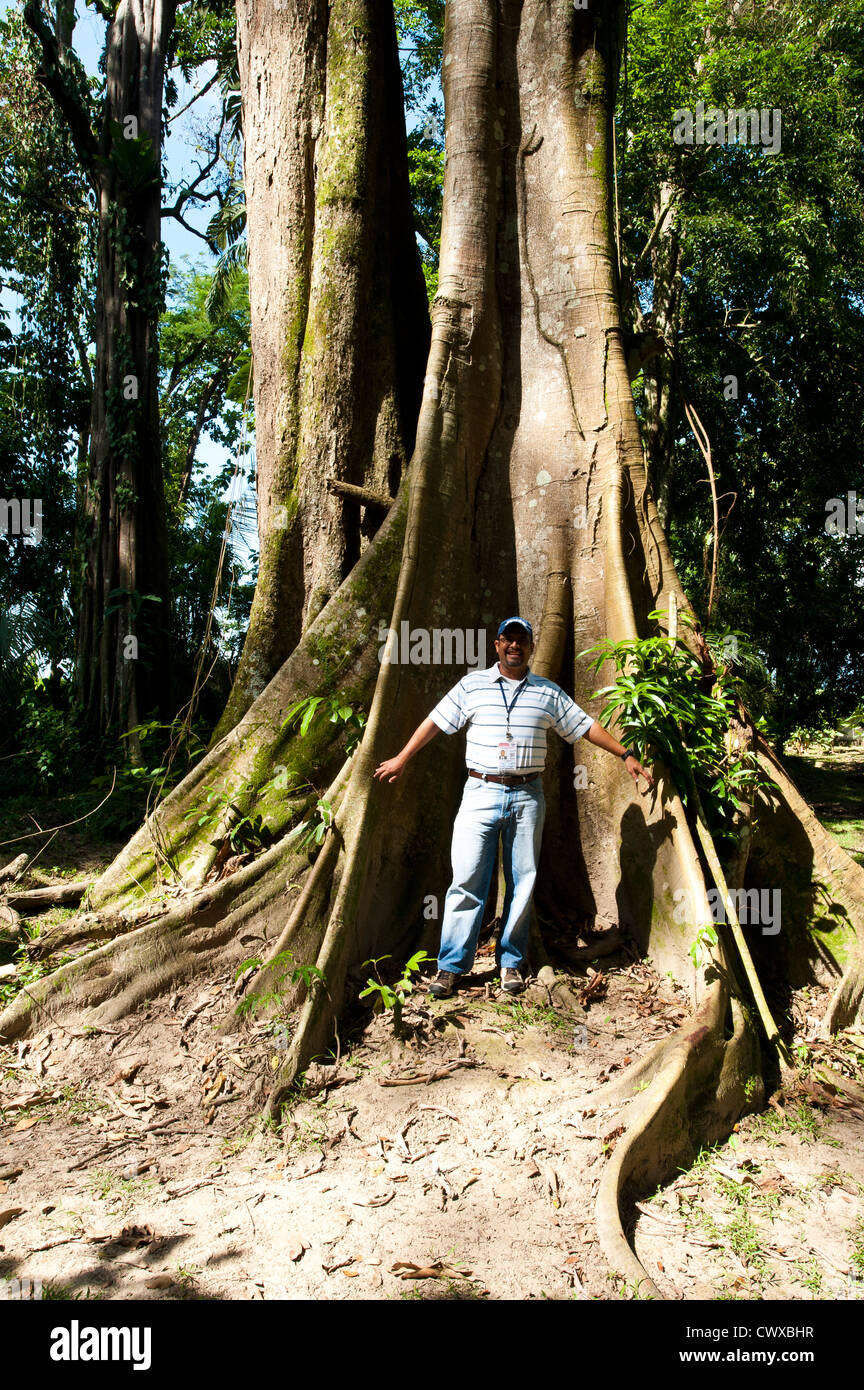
[[123, 594], [526, 491]]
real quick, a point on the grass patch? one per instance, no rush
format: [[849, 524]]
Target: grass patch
[[119, 1193]]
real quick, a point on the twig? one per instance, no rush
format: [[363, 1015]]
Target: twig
[[34, 834], [117, 1144]]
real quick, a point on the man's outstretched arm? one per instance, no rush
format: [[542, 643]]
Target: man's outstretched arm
[[394, 767], [603, 739]]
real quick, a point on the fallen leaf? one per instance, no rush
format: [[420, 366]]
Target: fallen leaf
[[610, 1140], [24, 1124], [159, 1281], [295, 1248], [9, 1215]]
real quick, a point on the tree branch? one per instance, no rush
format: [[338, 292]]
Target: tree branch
[[54, 77], [655, 232], [171, 212], [192, 100]]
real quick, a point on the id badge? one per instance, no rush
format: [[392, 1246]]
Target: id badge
[[507, 756]]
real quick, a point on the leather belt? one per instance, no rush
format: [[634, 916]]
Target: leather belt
[[513, 779]]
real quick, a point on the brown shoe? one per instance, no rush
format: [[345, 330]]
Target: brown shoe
[[512, 982], [443, 985]]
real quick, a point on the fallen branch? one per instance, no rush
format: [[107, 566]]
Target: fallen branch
[[426, 1080], [41, 899], [14, 869]]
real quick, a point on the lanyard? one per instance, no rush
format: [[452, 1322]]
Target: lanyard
[[517, 693]]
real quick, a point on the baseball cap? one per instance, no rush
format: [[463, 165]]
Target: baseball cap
[[508, 622]]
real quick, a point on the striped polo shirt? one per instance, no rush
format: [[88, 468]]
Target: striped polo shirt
[[477, 701]]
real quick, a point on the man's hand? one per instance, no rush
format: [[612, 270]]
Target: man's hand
[[636, 770], [394, 767], [390, 770]]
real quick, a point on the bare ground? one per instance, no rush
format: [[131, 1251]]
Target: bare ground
[[133, 1164]]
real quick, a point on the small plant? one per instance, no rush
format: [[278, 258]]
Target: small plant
[[306, 711], [811, 1276], [317, 828], [668, 706], [308, 975], [743, 1238], [119, 1193], [393, 996], [247, 832], [27, 972], [705, 936], [750, 1087]]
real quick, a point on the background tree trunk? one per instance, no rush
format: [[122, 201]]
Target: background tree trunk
[[122, 659], [122, 595]]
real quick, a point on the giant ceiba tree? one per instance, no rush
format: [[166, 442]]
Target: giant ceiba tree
[[518, 484]]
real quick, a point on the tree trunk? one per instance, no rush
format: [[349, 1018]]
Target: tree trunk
[[339, 317], [122, 594], [122, 625], [527, 486]]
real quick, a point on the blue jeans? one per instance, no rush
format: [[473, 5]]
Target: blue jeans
[[488, 810]]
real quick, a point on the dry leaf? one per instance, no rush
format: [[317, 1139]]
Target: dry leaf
[[295, 1248], [159, 1281], [24, 1124], [9, 1215]]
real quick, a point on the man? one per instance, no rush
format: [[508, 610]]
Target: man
[[507, 710]]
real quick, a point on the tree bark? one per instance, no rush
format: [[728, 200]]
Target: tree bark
[[339, 316]]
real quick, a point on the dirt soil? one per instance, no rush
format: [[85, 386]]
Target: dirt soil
[[462, 1163]]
